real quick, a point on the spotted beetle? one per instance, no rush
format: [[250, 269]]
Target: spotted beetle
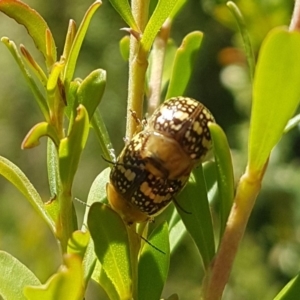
[[156, 164]]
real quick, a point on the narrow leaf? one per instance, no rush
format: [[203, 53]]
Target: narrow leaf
[[52, 207], [71, 147], [224, 173], [97, 192], [245, 36], [74, 51], [111, 242], [170, 53], [34, 66], [210, 174], [198, 220], [91, 90], [290, 291], [276, 94], [178, 7], [124, 10], [159, 16], [124, 47], [72, 102], [33, 22], [14, 276], [52, 168], [102, 279], [295, 121], [39, 130], [107, 149], [71, 33], [153, 264], [89, 262], [33, 86], [13, 174], [54, 77], [177, 230], [183, 64]]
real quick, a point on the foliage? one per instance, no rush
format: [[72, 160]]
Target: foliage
[[124, 260]]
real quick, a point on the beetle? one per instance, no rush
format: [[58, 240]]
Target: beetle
[[156, 164]]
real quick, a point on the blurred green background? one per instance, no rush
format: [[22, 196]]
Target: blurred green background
[[270, 252]]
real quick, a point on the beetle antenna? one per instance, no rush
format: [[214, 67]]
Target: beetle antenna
[[180, 207], [153, 246], [82, 202]]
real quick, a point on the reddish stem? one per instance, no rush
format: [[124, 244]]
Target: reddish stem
[[295, 22], [247, 191]]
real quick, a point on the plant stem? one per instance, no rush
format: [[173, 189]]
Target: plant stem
[[295, 22], [135, 245], [138, 63], [158, 56], [137, 68], [216, 279], [65, 225]]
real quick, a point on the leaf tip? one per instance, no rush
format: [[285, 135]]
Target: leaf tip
[[132, 32]]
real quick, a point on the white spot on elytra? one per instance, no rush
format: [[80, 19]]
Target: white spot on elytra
[[197, 128]]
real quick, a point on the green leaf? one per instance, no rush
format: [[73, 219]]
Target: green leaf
[[40, 99], [107, 149], [78, 243], [97, 193], [34, 66], [72, 102], [168, 63], [276, 94], [124, 10], [55, 92], [54, 77], [14, 274], [52, 207], [159, 16], [13, 174], [198, 220], [111, 242], [71, 147], [154, 265], [295, 121], [91, 90], [74, 51], [124, 47], [290, 291], [33, 22], [81, 244], [177, 230], [71, 33], [210, 175], [89, 262], [245, 36], [178, 7], [224, 173], [183, 64], [66, 284], [101, 278], [52, 168], [39, 130]]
